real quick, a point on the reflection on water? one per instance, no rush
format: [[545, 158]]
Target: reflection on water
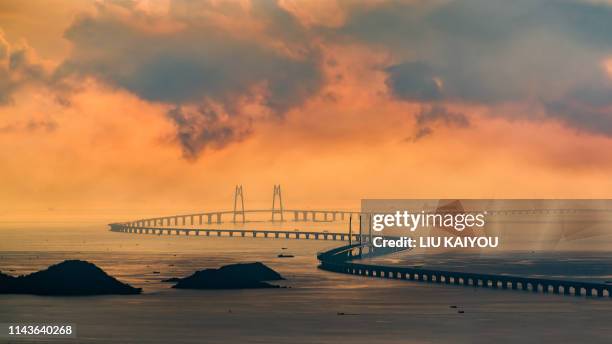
[[572, 265], [384, 311]]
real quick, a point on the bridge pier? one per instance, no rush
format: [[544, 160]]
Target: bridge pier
[[218, 217]]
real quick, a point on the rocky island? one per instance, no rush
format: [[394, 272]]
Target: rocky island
[[234, 276], [68, 278]]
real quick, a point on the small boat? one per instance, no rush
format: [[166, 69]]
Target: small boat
[[282, 255]]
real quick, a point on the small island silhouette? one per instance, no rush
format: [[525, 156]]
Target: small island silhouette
[[234, 276], [68, 278]]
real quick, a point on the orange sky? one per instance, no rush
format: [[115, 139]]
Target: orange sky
[[91, 147]]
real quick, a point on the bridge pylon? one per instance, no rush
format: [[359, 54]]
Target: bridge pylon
[[238, 193], [275, 195]]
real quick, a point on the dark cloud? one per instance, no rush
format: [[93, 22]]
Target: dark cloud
[[488, 52], [430, 116], [197, 64], [414, 81], [587, 107], [204, 127]]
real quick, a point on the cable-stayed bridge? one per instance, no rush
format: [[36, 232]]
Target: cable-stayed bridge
[[343, 259]]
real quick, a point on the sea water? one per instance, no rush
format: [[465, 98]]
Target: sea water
[[317, 307]]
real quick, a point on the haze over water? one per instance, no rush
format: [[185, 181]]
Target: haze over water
[[381, 310]]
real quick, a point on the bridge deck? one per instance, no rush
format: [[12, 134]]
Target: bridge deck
[[340, 260], [255, 233]]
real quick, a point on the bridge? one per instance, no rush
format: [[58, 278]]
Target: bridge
[[342, 259], [219, 217], [251, 233]]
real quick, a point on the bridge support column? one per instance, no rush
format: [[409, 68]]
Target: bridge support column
[[295, 216], [218, 217]]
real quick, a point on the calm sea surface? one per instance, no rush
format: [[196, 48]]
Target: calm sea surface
[[377, 311]]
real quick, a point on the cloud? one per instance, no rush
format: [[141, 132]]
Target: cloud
[[204, 127], [17, 69], [436, 115], [194, 58], [32, 125], [414, 81], [491, 52]]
